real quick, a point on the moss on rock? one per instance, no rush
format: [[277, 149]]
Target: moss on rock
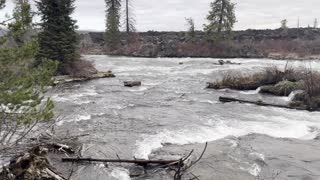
[[283, 88]]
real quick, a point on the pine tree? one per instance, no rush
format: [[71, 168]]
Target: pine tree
[[315, 24], [113, 22], [22, 17], [221, 19], [130, 21], [191, 29], [58, 39], [22, 101], [284, 24]]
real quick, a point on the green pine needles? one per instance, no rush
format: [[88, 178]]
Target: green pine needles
[[221, 20], [113, 23], [23, 105], [58, 39]]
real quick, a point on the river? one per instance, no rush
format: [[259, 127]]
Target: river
[[173, 113]]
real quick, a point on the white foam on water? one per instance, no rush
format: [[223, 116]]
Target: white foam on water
[[141, 88], [120, 174], [194, 71], [209, 101], [83, 118], [254, 170], [77, 119], [74, 97], [251, 92], [233, 143], [275, 126], [258, 155], [82, 102], [293, 94]]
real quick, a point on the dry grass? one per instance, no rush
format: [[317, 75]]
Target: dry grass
[[312, 89], [299, 47], [239, 82], [273, 78]]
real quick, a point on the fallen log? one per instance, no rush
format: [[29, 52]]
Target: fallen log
[[132, 83], [259, 103], [68, 79], [136, 161]]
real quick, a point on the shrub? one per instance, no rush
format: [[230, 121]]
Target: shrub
[[80, 68], [277, 82], [237, 81]]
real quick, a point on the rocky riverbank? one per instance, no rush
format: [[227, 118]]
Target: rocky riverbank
[[302, 43]]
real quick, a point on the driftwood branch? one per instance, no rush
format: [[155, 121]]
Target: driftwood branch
[[142, 162], [182, 169], [259, 103], [179, 166], [62, 147]]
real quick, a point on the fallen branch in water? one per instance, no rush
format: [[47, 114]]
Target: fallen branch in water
[[141, 162], [259, 103], [62, 147], [182, 168], [179, 166], [68, 79]]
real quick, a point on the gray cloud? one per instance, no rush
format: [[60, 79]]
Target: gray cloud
[[170, 14]]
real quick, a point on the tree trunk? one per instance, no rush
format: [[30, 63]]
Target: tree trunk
[[221, 16], [127, 16]]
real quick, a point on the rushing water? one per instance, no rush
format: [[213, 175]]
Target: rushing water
[[172, 113]]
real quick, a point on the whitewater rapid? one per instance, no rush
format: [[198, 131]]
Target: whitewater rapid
[[173, 108]]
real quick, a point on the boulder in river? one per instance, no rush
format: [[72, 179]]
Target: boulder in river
[[136, 171], [223, 62], [299, 96], [132, 83]]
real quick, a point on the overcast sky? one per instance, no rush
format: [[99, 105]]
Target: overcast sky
[[169, 15]]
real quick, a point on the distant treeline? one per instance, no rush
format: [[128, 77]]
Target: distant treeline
[[294, 43]]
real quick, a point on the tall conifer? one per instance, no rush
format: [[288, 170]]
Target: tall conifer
[[221, 19], [58, 39], [113, 22]]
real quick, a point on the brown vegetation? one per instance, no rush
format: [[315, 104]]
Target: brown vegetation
[[285, 49], [280, 83], [252, 82], [81, 69]]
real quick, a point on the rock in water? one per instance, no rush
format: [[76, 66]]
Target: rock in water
[[213, 85], [132, 83], [136, 171], [221, 62]]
